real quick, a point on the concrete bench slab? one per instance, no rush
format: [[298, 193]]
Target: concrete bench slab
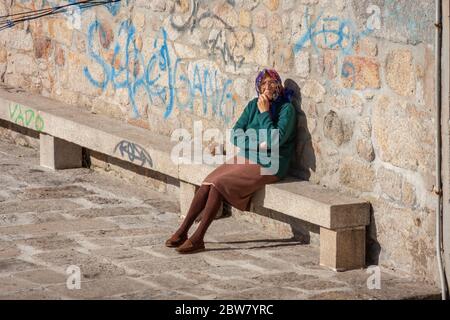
[[96, 132], [316, 204]]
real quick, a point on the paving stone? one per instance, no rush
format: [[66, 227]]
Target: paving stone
[[32, 177], [266, 293], [33, 294], [198, 292], [121, 254], [158, 265], [132, 222], [110, 212], [96, 242], [153, 294], [104, 201], [52, 241], [44, 276], [251, 264], [164, 205], [15, 265], [301, 255], [339, 295], [58, 226], [38, 206], [8, 250], [320, 285], [13, 219], [197, 276], [229, 286], [141, 241], [10, 284], [124, 232], [247, 238], [91, 267], [292, 278], [59, 192], [169, 281], [100, 288], [229, 272]]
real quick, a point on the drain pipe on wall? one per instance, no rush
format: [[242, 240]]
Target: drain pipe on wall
[[438, 184]]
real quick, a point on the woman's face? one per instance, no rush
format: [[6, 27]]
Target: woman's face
[[269, 88]]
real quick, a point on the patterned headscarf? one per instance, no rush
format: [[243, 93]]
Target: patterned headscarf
[[283, 93], [273, 75]]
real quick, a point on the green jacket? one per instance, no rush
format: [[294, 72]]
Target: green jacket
[[249, 140]]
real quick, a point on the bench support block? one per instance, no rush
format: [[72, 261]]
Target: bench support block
[[343, 249], [187, 192], [57, 154]]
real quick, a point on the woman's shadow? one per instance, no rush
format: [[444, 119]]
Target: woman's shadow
[[304, 159]]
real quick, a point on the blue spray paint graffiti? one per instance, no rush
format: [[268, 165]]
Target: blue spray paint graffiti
[[160, 77], [338, 34], [348, 71], [342, 34]]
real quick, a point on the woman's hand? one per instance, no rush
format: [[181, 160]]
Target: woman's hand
[[263, 103]]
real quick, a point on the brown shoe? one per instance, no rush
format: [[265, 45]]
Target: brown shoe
[[175, 241], [190, 247]]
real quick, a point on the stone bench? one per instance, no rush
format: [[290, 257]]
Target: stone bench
[[64, 130], [342, 219]]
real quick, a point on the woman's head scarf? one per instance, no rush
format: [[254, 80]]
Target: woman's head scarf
[[282, 93]]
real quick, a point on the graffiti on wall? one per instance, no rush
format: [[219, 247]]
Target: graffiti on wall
[[348, 71], [223, 40], [134, 152], [160, 78], [26, 117], [335, 32]]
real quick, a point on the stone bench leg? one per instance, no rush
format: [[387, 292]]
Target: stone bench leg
[[187, 192], [57, 154], [343, 249]]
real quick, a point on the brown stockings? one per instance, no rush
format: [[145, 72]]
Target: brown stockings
[[208, 199]]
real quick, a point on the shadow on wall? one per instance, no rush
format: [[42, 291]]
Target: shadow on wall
[[373, 248], [304, 159]]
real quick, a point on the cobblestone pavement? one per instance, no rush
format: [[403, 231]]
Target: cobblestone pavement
[[115, 232]]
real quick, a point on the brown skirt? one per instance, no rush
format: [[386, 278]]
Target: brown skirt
[[238, 181]]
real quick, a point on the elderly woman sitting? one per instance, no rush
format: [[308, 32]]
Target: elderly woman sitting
[[240, 177]]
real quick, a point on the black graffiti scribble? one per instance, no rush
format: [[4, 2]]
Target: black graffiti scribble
[[219, 42], [134, 152]]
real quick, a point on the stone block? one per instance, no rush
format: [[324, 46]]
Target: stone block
[[343, 249], [399, 125], [357, 175], [57, 154], [400, 74], [272, 5], [314, 90], [313, 203], [360, 73]]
